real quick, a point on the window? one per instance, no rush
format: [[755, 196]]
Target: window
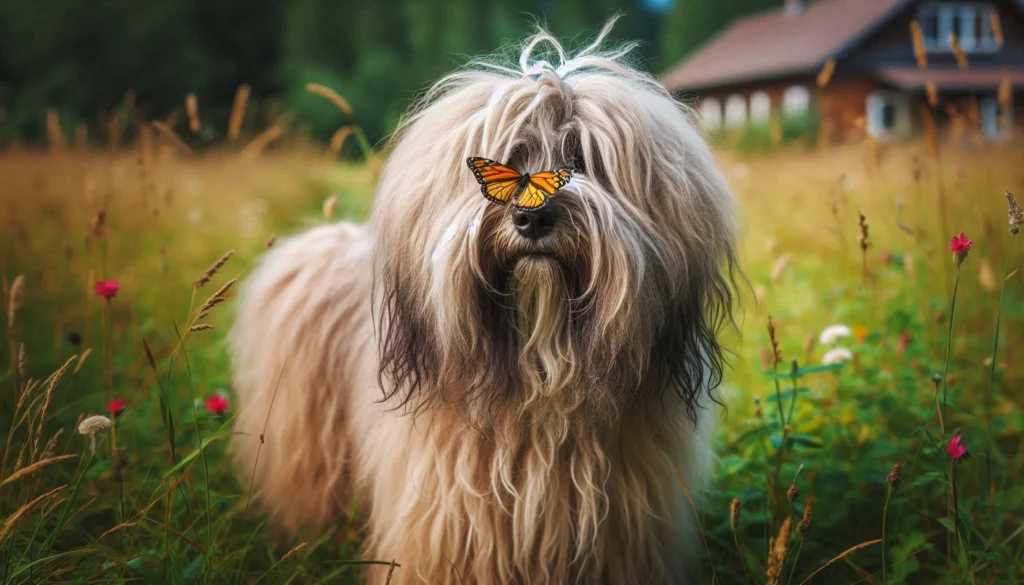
[[711, 113], [795, 101], [760, 107], [735, 111], [994, 121], [888, 114], [971, 23]]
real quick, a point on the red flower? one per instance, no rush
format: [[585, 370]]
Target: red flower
[[960, 246], [116, 407], [107, 288], [956, 449], [217, 403]]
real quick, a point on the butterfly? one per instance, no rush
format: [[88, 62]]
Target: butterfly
[[528, 192]]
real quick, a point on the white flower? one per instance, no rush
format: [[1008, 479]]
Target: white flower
[[93, 425], [837, 356], [834, 333]]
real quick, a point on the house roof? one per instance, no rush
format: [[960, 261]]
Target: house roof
[[950, 79], [776, 43]]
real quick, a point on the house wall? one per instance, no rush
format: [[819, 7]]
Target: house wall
[[892, 46]]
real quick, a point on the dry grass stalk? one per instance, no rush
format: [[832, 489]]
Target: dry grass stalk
[[862, 224], [114, 133], [201, 327], [53, 131], [825, 75], [326, 92], [777, 555], [270, 241], [171, 136], [840, 557], [212, 270], [81, 137], [781, 263], [894, 474], [997, 28], [805, 522], [14, 298], [986, 276], [192, 109], [35, 467], [238, 111], [13, 518], [261, 142], [338, 140], [918, 38], [22, 360], [217, 297], [931, 135], [49, 398], [776, 352], [933, 93], [1015, 213], [958, 51], [52, 444], [330, 205], [1005, 94], [81, 360]]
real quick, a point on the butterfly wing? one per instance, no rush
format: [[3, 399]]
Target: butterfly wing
[[499, 183], [541, 186]]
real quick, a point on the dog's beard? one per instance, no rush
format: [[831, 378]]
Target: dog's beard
[[546, 326]]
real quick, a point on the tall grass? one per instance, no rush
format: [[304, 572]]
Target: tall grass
[[164, 505]]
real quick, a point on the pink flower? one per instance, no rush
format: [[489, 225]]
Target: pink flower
[[107, 288], [217, 403], [956, 449], [959, 246], [116, 407]]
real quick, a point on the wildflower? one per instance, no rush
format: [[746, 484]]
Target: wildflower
[[957, 450], [116, 407], [959, 246], [834, 333], [217, 404], [107, 288], [92, 425], [1016, 214], [837, 356], [894, 476]]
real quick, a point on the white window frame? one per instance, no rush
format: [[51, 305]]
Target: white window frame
[[735, 111], [710, 113], [796, 101], [874, 115], [760, 108], [968, 14]]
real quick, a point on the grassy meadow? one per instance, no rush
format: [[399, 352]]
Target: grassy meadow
[[153, 498]]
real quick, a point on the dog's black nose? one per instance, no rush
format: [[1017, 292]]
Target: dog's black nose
[[536, 224]]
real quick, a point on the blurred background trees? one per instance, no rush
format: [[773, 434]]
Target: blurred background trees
[[86, 59]]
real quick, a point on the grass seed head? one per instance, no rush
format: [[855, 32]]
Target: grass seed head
[[15, 297], [958, 51], [212, 270], [734, 513], [238, 111], [805, 521], [919, 51], [894, 475], [192, 109], [997, 28], [1015, 213]]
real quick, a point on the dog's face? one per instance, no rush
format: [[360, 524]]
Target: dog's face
[[610, 294]]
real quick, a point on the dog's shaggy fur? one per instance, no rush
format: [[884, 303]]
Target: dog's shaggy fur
[[515, 410]]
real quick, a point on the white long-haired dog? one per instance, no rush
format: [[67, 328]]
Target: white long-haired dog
[[507, 394]]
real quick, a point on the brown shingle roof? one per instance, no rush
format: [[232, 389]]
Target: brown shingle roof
[[950, 79], [775, 43]]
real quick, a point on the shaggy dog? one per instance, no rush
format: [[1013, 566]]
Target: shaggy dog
[[515, 396]]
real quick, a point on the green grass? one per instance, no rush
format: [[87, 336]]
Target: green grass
[[165, 505]]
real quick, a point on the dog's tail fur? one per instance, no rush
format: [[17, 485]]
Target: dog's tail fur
[[289, 357]]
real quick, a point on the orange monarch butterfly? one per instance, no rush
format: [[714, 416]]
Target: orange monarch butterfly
[[501, 184]]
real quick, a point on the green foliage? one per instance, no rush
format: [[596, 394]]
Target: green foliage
[[80, 58]]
